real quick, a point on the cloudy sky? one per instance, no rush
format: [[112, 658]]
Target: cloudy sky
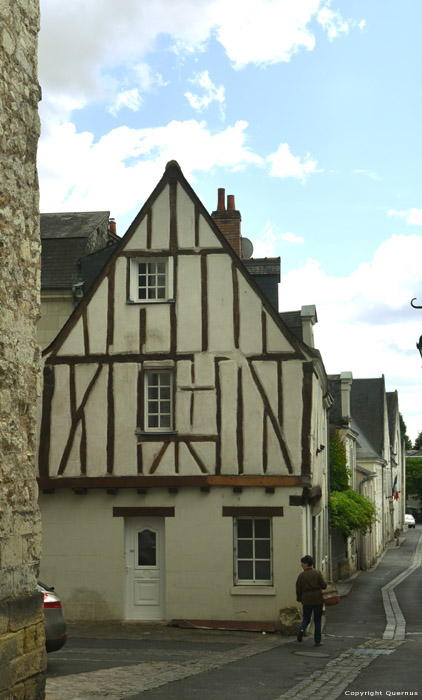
[[308, 111]]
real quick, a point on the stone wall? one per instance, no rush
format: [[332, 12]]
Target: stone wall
[[22, 652]]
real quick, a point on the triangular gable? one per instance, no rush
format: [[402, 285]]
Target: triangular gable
[[159, 232]]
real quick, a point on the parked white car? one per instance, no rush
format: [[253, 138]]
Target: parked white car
[[409, 520]]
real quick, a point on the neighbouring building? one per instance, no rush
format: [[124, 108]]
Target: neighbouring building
[[22, 641], [367, 419], [183, 430], [74, 247]]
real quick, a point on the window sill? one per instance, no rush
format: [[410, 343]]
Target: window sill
[[147, 302], [253, 590], [156, 433]]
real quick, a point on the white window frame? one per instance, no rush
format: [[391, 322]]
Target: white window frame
[[252, 581], [134, 279], [160, 399]]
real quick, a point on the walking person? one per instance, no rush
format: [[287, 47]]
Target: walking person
[[309, 587]]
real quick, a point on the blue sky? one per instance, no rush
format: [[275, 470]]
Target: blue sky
[[308, 111]]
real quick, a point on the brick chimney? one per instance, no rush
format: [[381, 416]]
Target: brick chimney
[[228, 220], [112, 226]]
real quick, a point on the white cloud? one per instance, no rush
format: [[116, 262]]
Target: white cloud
[[116, 172], [81, 43], [211, 93], [291, 238], [413, 216], [285, 164], [131, 99], [264, 246], [332, 22], [365, 322]]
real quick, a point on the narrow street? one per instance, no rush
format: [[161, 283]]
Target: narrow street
[[372, 647]]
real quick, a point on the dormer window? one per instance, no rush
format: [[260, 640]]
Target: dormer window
[[151, 280]]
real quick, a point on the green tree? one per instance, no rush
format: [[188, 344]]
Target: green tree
[[403, 433], [414, 477], [418, 441], [339, 473], [350, 511]]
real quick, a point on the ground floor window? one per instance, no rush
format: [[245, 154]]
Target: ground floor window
[[253, 551]]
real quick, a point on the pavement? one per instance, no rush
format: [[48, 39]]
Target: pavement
[[362, 635]]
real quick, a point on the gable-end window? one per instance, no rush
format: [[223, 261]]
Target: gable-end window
[[151, 280], [253, 551], [159, 401]]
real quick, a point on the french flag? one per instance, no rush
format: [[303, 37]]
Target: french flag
[[395, 492]]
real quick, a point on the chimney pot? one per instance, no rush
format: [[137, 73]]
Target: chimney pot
[[221, 205], [112, 226], [230, 202]]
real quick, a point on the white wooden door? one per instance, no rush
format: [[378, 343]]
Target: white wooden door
[[144, 545]]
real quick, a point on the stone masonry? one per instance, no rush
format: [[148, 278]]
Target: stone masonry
[[22, 643]]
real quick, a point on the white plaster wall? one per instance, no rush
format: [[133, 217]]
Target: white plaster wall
[[253, 416], [83, 553], [60, 417], [74, 343], [158, 328], [292, 377], [97, 319], [160, 238], [204, 370], [126, 316], [96, 426], [207, 237], [188, 304], [185, 219], [220, 303], [276, 341], [138, 240], [250, 307], [228, 383], [55, 310], [125, 412]]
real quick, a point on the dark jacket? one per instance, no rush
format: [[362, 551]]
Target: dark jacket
[[308, 587]]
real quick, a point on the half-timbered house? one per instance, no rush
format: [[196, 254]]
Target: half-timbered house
[[182, 468]]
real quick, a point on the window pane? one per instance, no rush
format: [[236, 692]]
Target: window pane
[[151, 293], [165, 422], [262, 528], [245, 570], [161, 293], [142, 294], [153, 406], [147, 548], [244, 528], [245, 549], [165, 392], [161, 268], [142, 268], [153, 392], [165, 407], [152, 421], [153, 379], [262, 549], [161, 281], [164, 380], [263, 570]]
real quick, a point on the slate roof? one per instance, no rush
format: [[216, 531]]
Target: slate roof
[[78, 224], [367, 407], [263, 266], [393, 410], [65, 238], [293, 321], [266, 273]]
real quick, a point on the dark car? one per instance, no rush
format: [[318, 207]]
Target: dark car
[[54, 622]]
